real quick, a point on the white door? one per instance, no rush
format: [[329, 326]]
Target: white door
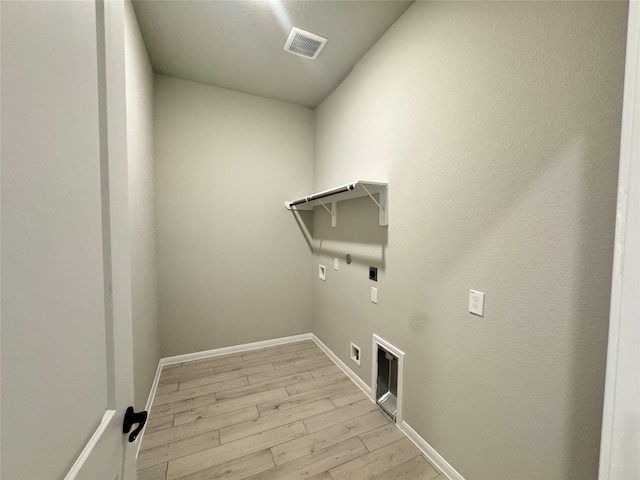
[[65, 274], [620, 443]]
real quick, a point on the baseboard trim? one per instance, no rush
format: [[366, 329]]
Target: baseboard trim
[[91, 444], [244, 347], [342, 366], [152, 395], [434, 457], [216, 352], [154, 388]]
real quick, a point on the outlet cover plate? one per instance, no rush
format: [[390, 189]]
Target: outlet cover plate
[[322, 272], [374, 295], [476, 302], [336, 264]]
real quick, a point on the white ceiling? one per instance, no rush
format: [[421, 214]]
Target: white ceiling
[[238, 44]]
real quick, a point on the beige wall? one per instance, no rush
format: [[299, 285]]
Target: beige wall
[[233, 265], [146, 319], [53, 304], [497, 126]]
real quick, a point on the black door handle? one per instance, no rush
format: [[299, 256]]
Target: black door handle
[[131, 418]]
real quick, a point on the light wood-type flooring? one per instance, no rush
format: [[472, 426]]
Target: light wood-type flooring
[[283, 412]]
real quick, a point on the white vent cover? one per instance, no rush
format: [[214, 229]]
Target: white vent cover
[[305, 44]]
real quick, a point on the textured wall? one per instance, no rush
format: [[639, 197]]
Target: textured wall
[[233, 265], [497, 126], [146, 319]]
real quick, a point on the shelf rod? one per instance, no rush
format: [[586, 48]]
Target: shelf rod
[[374, 200], [328, 193]]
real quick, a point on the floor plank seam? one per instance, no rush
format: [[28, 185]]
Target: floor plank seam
[[292, 402]]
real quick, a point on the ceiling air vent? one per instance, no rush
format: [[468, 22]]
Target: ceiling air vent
[[305, 44]]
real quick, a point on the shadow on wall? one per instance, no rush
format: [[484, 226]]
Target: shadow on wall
[[502, 166], [357, 233], [575, 249], [304, 219], [591, 300]]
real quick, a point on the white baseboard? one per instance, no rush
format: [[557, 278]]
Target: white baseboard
[[91, 444], [434, 457], [154, 387], [216, 352], [342, 366], [152, 395]]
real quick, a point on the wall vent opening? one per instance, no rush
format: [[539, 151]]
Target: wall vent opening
[[387, 382], [304, 44], [388, 369]]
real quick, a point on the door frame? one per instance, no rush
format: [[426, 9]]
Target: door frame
[[620, 438], [116, 237]]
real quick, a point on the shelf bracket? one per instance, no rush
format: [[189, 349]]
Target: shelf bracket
[[346, 192], [333, 212], [383, 219]]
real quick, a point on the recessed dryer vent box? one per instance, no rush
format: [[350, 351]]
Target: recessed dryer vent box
[[387, 382], [387, 377]]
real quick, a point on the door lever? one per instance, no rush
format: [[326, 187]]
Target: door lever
[[131, 418]]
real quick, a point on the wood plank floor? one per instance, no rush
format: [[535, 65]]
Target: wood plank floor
[[284, 412]]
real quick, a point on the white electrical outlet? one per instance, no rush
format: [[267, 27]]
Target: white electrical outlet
[[336, 264], [374, 295], [322, 272], [476, 302]]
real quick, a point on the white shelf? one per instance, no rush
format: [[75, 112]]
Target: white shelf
[[357, 189]]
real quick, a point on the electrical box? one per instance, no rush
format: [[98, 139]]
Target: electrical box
[[373, 273]]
